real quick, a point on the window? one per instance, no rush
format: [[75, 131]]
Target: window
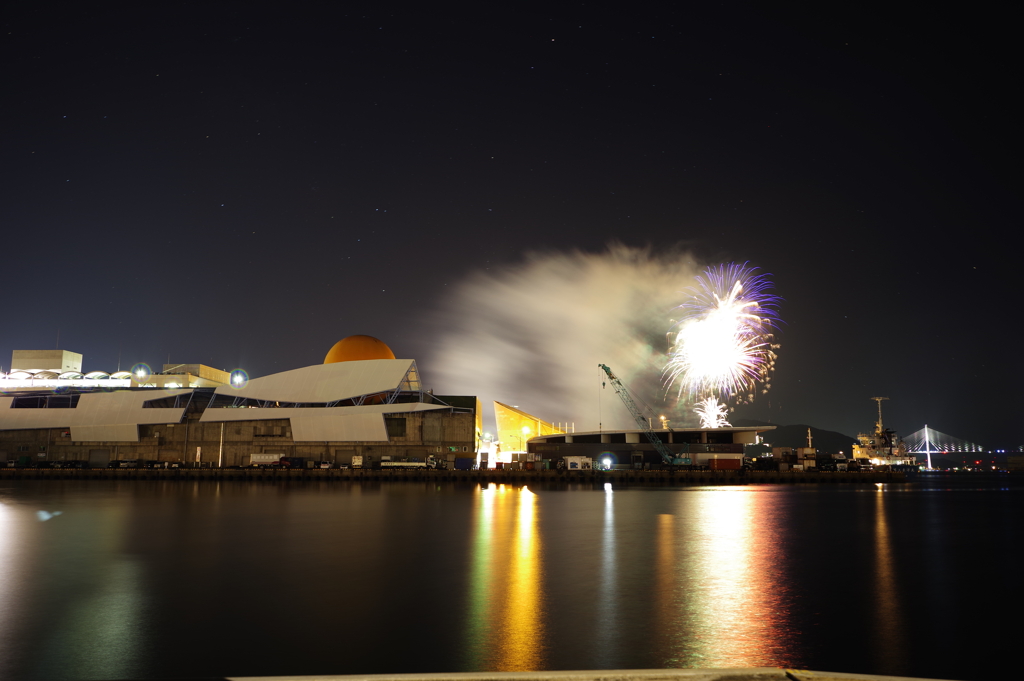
[[395, 427]]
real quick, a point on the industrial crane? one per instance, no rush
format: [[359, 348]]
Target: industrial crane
[[666, 453]]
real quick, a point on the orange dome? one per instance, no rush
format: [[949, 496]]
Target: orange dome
[[355, 348]]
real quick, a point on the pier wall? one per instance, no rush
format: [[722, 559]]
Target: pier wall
[[270, 475]]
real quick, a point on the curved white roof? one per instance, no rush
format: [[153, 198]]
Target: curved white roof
[[106, 417], [327, 382], [333, 424]]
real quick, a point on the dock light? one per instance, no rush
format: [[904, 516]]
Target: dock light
[[607, 463], [239, 379]]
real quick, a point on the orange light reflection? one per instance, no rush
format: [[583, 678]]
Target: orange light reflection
[[506, 625], [888, 643]]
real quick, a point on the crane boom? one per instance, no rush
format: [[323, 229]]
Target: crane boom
[[620, 390]]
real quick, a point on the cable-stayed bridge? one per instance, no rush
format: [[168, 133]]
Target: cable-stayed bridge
[[929, 441]]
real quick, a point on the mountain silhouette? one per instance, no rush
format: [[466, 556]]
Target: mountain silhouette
[[825, 441]]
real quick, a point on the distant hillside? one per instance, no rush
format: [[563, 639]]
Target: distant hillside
[[825, 441]]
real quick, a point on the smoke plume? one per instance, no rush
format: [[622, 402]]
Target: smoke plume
[[533, 335]]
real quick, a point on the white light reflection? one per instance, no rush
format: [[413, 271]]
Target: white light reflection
[[608, 625], [730, 609], [9, 593]]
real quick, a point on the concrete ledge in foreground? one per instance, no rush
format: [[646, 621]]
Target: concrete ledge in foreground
[[743, 674]]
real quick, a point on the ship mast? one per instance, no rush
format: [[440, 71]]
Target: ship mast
[[878, 426]]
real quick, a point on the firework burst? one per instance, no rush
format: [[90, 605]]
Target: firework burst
[[723, 342]]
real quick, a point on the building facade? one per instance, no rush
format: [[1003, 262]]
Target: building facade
[[326, 413], [712, 447]]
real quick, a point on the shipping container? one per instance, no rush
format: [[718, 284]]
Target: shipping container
[[725, 464], [464, 464]]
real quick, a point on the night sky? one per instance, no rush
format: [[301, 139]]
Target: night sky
[[242, 188]]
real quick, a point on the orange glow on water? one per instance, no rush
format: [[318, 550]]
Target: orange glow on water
[[888, 637], [665, 581], [506, 599]]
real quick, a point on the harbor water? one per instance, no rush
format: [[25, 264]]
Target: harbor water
[[106, 579]]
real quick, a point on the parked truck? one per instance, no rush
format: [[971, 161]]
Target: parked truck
[[264, 460], [403, 464]]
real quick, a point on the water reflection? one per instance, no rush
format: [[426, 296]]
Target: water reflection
[[145, 580], [668, 615], [730, 602], [10, 603], [888, 643], [479, 600], [506, 625], [608, 620], [65, 584]]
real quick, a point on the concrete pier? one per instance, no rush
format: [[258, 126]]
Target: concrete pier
[[595, 477]]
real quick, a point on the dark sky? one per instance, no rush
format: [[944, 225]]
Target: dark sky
[[214, 184]]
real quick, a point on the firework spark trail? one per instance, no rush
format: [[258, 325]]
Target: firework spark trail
[[724, 342], [712, 413]]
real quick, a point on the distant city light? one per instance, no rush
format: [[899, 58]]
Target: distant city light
[[239, 379], [141, 371]]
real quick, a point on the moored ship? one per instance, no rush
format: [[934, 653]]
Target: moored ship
[[883, 447]]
